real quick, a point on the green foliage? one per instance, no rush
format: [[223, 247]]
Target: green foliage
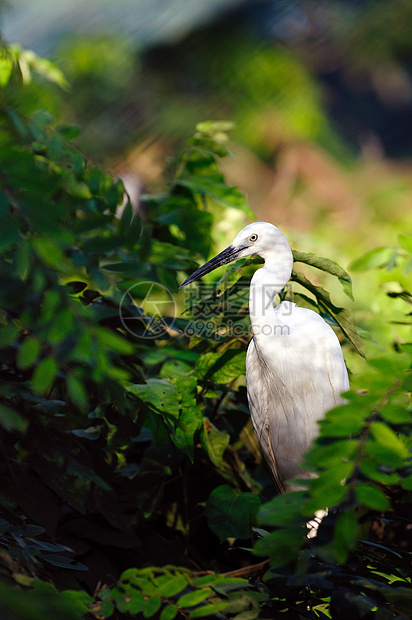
[[43, 601], [177, 592], [231, 514], [124, 426], [26, 62]]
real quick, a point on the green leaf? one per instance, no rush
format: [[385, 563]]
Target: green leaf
[[231, 514], [43, 67], [160, 393], [329, 489], [281, 545], [386, 437], [214, 442], [394, 364], [192, 224], [122, 604], [216, 580], [77, 392], [68, 131], [114, 341], [172, 587], [50, 253], [374, 472], [11, 420], [229, 278], [217, 190], [28, 353], [8, 335], [383, 454], [406, 242], [215, 126], [152, 606], [221, 367], [345, 535], [44, 375], [137, 603], [106, 609], [168, 613], [190, 599], [282, 509], [371, 496], [325, 264], [373, 259], [396, 415], [343, 421], [207, 610], [190, 416], [6, 68], [407, 483], [332, 454]]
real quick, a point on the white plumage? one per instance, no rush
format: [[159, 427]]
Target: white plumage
[[295, 369]]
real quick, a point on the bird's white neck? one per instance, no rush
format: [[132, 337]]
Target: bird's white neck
[[266, 283]]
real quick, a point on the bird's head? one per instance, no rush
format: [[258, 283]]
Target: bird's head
[[259, 238]]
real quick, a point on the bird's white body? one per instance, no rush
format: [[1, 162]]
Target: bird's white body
[[295, 370], [294, 375]]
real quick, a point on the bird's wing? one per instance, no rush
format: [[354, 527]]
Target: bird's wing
[[265, 388]]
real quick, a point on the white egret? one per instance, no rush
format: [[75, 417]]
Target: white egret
[[295, 369]]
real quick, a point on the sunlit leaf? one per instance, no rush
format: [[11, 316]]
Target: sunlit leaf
[[221, 367], [343, 421], [214, 442], [373, 259], [6, 67], [172, 587], [159, 393], [190, 599], [325, 264], [215, 126], [386, 437], [406, 242]]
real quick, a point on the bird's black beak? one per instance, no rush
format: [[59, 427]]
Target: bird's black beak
[[227, 256]]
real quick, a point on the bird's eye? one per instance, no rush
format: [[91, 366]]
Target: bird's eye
[[253, 238]]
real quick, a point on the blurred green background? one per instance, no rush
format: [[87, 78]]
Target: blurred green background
[[320, 93]]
